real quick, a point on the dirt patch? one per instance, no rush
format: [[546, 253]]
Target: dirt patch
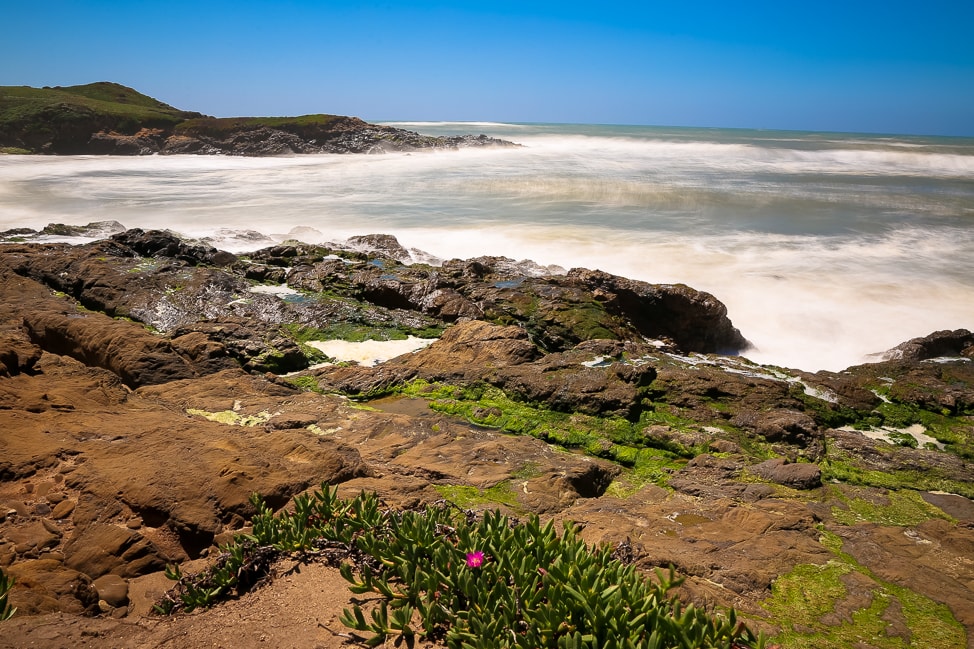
[[299, 610]]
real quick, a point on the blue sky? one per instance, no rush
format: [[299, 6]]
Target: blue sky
[[868, 66]]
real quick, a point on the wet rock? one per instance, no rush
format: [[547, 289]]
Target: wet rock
[[959, 342], [385, 244], [588, 379], [97, 229], [874, 455], [160, 243], [695, 320]]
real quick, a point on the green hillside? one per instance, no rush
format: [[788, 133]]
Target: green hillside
[[62, 119]]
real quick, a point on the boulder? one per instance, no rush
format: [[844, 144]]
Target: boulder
[[160, 243], [112, 589], [959, 342], [695, 320], [797, 475]]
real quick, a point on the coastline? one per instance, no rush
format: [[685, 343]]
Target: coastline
[[145, 350]]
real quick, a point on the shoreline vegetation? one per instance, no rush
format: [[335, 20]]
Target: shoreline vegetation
[[165, 412], [110, 119]]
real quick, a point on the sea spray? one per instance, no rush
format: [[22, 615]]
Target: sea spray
[[824, 247]]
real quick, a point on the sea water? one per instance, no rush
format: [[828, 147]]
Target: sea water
[[825, 247]]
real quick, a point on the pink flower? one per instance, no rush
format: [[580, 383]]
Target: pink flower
[[475, 559]]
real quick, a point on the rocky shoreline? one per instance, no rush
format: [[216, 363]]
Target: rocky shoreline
[[107, 118], [342, 135], [149, 385]]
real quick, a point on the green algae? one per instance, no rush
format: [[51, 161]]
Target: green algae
[[843, 467], [650, 467], [805, 604], [231, 417], [467, 497], [902, 508], [304, 382], [612, 438]]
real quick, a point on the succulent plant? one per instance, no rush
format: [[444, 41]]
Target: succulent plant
[[474, 582], [6, 584]]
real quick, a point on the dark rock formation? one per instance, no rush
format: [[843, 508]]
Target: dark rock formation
[[938, 344], [695, 320]]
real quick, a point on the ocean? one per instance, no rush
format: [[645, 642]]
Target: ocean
[[827, 248]]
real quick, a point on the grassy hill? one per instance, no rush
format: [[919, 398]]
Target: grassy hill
[[62, 119], [103, 117]]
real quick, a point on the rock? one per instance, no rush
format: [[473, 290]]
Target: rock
[[587, 379], [112, 589], [100, 549], [47, 585], [798, 475], [96, 229], [385, 244], [86, 396], [959, 507], [789, 426], [33, 537], [63, 509], [17, 354], [159, 243], [695, 320], [959, 342], [137, 357], [874, 455]]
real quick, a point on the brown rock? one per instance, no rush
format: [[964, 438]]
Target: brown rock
[[33, 537], [17, 354], [798, 475], [938, 344], [112, 589], [100, 549], [63, 509], [136, 356], [47, 585]]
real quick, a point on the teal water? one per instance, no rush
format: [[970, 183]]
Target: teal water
[[825, 247]]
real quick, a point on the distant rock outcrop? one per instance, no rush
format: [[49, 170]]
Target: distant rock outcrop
[[110, 119]]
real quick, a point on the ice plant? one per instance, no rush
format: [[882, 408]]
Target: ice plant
[[541, 588]]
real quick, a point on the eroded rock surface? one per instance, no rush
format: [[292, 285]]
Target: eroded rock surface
[[142, 402]]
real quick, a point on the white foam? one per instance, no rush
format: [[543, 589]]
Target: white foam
[[369, 352], [886, 434], [822, 257]]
